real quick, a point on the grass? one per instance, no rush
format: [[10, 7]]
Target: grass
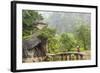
[[74, 49]]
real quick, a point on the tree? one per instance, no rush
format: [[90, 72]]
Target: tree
[[67, 42], [48, 33], [54, 44], [29, 18], [83, 36]]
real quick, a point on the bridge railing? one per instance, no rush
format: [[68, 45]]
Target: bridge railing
[[66, 56]]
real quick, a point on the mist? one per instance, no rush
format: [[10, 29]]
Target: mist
[[65, 21]]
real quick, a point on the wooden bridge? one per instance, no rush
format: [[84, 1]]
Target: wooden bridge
[[66, 56]]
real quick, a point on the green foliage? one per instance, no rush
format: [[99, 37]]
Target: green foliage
[[75, 49], [54, 44], [67, 41], [83, 36], [53, 41], [47, 33], [29, 17]]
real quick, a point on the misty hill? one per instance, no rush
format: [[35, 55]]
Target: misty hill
[[65, 21]]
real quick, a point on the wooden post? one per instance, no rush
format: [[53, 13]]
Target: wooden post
[[61, 57], [72, 57], [66, 57], [77, 57], [69, 56]]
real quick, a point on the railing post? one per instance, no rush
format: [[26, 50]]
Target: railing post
[[72, 57], [66, 57], [61, 57], [77, 57], [69, 56]]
